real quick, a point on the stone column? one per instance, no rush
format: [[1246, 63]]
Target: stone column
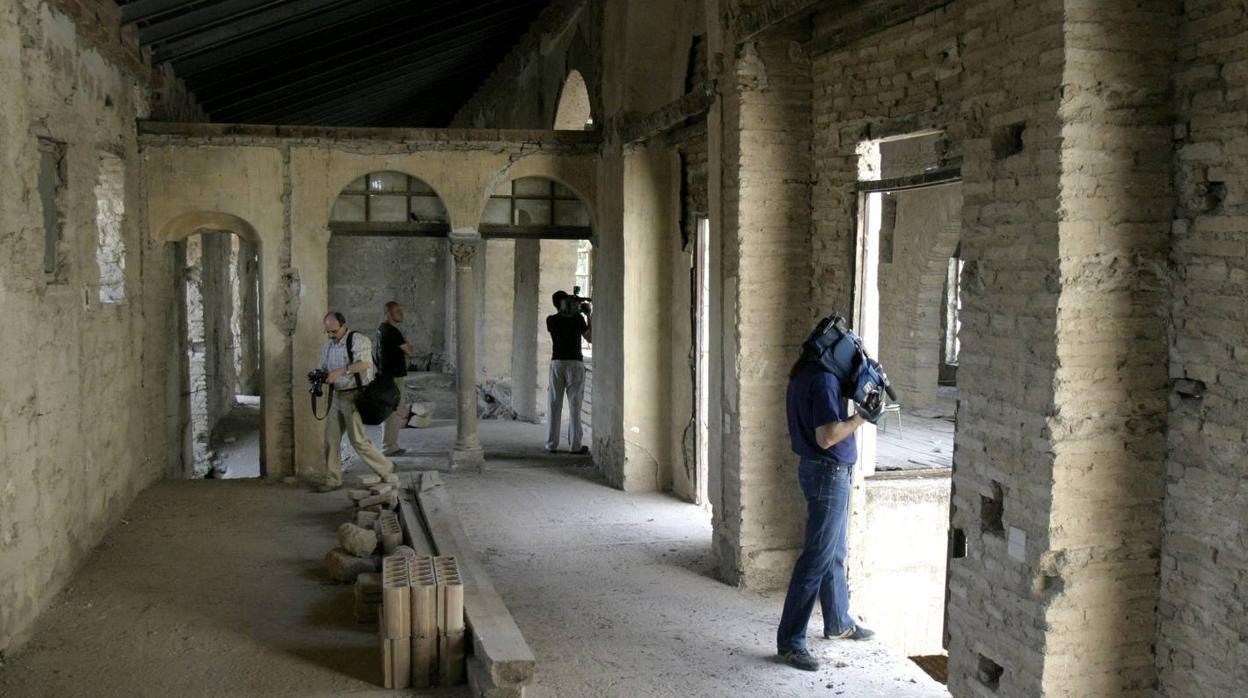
[[467, 451]]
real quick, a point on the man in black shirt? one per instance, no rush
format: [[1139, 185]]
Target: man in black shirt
[[392, 352], [567, 369]]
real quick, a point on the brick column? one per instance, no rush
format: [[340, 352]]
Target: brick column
[[467, 453]]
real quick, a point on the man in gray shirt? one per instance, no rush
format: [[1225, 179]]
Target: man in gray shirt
[[347, 378]]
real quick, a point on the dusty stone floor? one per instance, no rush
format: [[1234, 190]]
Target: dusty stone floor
[[208, 588], [236, 440], [615, 595]]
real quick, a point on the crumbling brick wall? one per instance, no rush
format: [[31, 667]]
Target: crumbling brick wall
[[1202, 639], [70, 464], [766, 248]]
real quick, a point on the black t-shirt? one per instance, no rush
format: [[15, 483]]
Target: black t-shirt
[[565, 336], [390, 342]]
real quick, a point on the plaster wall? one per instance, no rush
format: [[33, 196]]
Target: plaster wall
[[498, 296], [556, 272], [902, 561], [69, 466], [281, 191], [367, 272], [526, 333], [928, 225]]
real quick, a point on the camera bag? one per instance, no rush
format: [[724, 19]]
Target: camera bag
[[378, 398]]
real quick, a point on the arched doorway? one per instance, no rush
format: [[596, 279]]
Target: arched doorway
[[388, 243], [220, 344], [545, 229], [574, 112]]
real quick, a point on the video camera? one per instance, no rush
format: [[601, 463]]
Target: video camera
[[574, 302], [836, 349]]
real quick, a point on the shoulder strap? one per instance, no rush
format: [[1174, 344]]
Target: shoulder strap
[[359, 382]]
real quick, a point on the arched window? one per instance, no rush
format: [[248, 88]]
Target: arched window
[[536, 207], [573, 112], [389, 203]]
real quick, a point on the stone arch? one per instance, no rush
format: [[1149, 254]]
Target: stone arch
[[573, 111], [188, 224]]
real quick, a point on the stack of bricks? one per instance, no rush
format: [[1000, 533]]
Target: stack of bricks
[[367, 597], [422, 628], [389, 531], [377, 495], [396, 622], [450, 594], [424, 593]]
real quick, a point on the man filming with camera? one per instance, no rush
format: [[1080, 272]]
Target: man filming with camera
[[567, 367], [833, 370], [346, 377]]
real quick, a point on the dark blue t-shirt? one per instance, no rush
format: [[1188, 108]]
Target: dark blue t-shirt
[[814, 399]]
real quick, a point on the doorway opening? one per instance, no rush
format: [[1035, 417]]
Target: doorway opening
[[549, 226], [388, 242], [221, 314], [906, 308], [701, 359]]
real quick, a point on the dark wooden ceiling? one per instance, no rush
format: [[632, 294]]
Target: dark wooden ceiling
[[331, 62]]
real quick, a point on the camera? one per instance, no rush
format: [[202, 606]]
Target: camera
[[575, 302], [316, 381]]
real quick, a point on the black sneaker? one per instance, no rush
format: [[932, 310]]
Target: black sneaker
[[800, 659], [857, 632]]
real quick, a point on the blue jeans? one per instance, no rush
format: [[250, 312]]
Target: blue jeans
[[820, 570]]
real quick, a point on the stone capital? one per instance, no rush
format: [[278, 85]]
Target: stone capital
[[464, 246]]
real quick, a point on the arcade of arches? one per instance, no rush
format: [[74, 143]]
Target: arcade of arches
[[1034, 211]]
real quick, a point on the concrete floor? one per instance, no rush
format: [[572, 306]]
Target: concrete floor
[[614, 594], [207, 588], [218, 588]]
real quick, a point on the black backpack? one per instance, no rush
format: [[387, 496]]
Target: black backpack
[[378, 399]]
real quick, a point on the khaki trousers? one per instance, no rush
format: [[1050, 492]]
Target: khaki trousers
[[343, 417], [396, 420]]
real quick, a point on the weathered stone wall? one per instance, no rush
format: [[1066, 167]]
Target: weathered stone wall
[[1055, 481], [367, 272], [1202, 641], [946, 70], [210, 354], [766, 257], [69, 464], [925, 232]]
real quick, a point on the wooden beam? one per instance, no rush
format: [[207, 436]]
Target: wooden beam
[[243, 25], [140, 10], [757, 20], [671, 115], [927, 179], [411, 230], [866, 19], [535, 232]]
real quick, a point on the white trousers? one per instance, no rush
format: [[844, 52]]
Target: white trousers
[[566, 377]]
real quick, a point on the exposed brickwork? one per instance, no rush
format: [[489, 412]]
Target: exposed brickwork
[[956, 69], [765, 250], [1202, 640]]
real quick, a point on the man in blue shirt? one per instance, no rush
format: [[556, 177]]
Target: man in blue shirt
[[821, 431]]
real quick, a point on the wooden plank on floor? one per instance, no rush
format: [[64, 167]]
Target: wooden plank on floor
[[506, 658]]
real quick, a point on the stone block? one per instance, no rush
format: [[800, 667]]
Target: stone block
[[345, 567], [357, 541]]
